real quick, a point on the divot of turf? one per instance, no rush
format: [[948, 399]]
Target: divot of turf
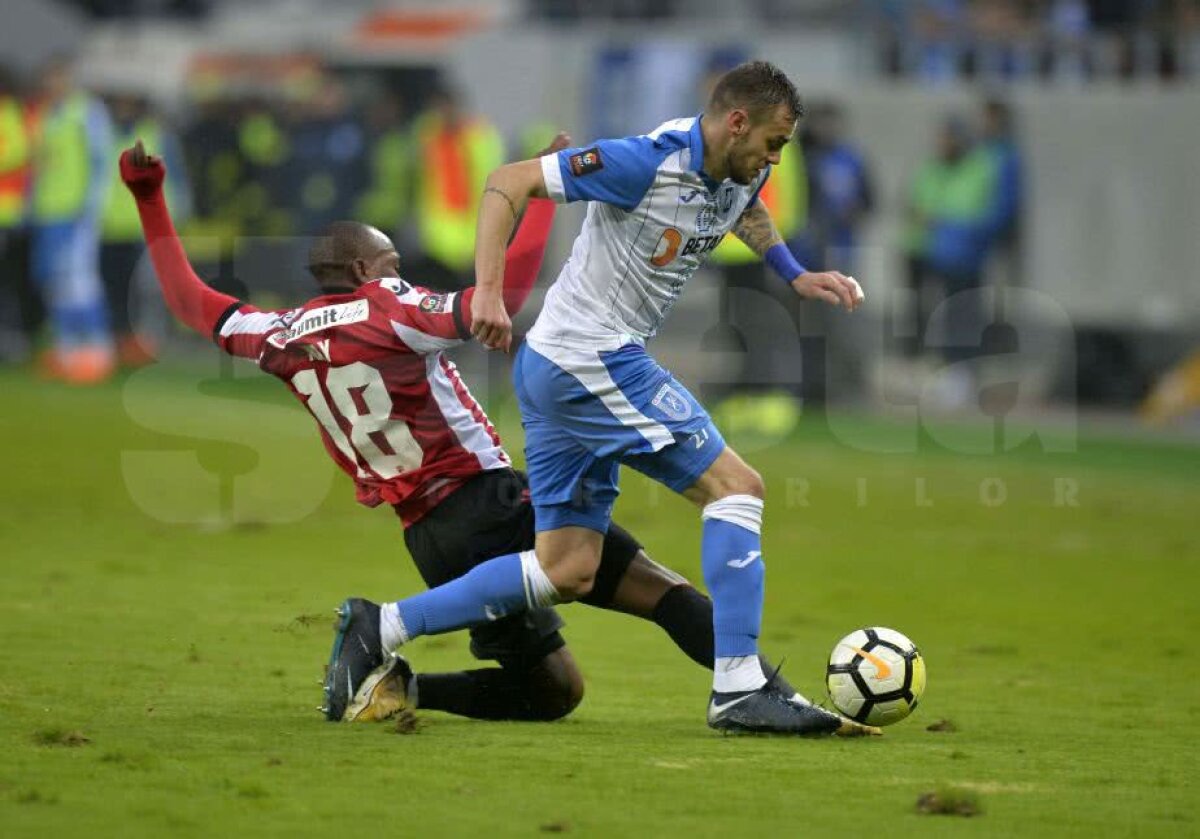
[[949, 801], [406, 723], [60, 737]]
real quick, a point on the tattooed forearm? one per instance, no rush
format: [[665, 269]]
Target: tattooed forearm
[[756, 229]]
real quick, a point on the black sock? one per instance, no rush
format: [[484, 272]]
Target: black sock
[[489, 694], [687, 616], [493, 693]]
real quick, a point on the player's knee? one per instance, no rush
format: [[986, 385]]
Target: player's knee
[[743, 480], [573, 583], [573, 575], [750, 482], [557, 691], [555, 703]]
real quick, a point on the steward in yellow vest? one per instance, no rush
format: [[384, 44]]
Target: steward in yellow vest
[[20, 309], [14, 161], [454, 152], [71, 172]]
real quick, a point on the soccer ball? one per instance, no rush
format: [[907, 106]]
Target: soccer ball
[[875, 676]]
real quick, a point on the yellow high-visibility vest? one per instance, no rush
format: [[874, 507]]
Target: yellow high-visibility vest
[[14, 161], [62, 167], [454, 166], [786, 196], [384, 203]]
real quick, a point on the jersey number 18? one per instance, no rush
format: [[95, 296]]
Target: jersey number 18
[[383, 444]]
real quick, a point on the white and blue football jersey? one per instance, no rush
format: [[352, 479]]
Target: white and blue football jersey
[[652, 219]]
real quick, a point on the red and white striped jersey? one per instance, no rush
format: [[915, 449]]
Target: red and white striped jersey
[[369, 366]]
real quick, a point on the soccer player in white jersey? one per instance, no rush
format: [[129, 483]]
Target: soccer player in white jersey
[[591, 397]]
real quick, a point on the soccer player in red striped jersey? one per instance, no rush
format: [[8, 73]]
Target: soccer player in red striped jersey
[[366, 358]]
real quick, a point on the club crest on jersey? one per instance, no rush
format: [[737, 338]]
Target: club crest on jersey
[[434, 303], [586, 162], [324, 317], [706, 218], [671, 402], [725, 197]]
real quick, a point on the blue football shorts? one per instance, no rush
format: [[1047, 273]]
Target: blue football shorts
[[587, 412]]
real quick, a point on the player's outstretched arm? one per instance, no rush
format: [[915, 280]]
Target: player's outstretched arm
[[187, 296], [756, 229], [505, 195]]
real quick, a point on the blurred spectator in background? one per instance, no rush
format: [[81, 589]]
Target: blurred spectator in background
[[122, 244], [840, 193], [71, 175], [452, 153], [998, 140], [20, 309], [388, 190], [326, 164], [1067, 26], [265, 196], [950, 206], [940, 28]]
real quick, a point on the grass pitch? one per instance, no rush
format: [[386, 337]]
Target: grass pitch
[[174, 544]]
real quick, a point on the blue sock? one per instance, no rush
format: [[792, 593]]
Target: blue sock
[[489, 591], [731, 556]]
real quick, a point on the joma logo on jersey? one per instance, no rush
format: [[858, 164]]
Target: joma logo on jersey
[[322, 318]]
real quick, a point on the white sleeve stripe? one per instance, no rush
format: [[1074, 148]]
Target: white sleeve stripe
[[552, 175], [253, 323], [423, 342]]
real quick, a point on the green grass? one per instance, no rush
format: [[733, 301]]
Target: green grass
[[164, 632]]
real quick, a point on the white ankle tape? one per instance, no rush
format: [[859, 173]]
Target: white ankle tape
[[743, 510], [539, 591]]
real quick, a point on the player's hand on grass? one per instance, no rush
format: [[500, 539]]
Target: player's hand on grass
[[562, 140], [490, 323], [833, 287], [143, 173]]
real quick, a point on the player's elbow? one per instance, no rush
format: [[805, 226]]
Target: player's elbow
[[523, 178]]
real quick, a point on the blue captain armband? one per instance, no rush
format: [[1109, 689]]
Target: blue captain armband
[[783, 263]]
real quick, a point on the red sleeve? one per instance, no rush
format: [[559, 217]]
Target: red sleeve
[[204, 309], [424, 320], [242, 329], [522, 260]]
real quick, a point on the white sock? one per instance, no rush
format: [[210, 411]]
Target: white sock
[[411, 692], [539, 591], [391, 628], [738, 674]]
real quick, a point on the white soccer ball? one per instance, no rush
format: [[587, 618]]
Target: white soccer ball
[[875, 676]]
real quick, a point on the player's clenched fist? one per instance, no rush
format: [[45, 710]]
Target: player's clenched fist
[[833, 287], [142, 173], [490, 323]]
